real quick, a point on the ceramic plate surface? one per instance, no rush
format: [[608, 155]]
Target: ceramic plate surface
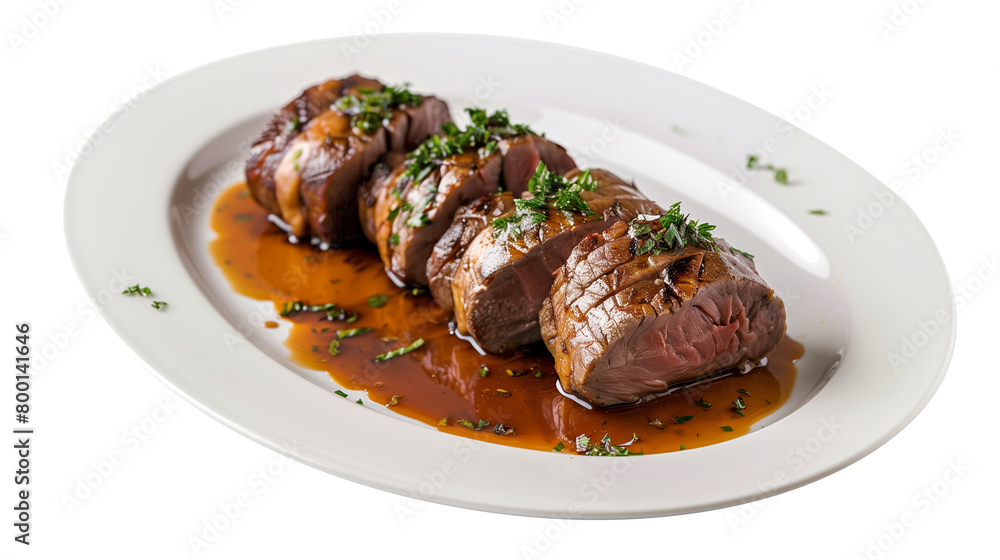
[[865, 289]]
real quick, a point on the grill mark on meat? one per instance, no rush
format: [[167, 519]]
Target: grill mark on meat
[[701, 312], [518, 265], [407, 243]]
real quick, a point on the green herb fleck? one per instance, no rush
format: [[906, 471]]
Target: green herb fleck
[[378, 300], [158, 304], [780, 174], [294, 307], [353, 332], [739, 406], [341, 393], [671, 231], [480, 136], [477, 426], [818, 212], [605, 448], [134, 290], [559, 447], [400, 351], [682, 419], [703, 403], [484, 371], [550, 191], [334, 348], [726, 428], [370, 109]]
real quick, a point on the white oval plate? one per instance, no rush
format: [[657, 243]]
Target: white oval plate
[[871, 304]]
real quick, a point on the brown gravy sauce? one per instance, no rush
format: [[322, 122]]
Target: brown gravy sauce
[[440, 383]]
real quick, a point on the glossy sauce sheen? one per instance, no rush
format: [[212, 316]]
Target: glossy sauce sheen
[[440, 383]]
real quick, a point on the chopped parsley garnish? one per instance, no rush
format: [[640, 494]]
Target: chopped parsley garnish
[[133, 290], [378, 300], [726, 428], [483, 132], [818, 212], [739, 406], [780, 175], [400, 351], [353, 332], [550, 190], [341, 393], [670, 232], [334, 347], [605, 448], [333, 312], [143, 292], [703, 403], [484, 371], [736, 251], [371, 109], [443, 421], [559, 447], [682, 419], [480, 136], [477, 426]]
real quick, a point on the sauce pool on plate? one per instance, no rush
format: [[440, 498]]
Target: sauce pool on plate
[[345, 313]]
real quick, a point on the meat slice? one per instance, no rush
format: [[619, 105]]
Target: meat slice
[[377, 192], [307, 162], [423, 201], [625, 322], [506, 272], [469, 221]]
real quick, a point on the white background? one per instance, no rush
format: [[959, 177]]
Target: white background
[[889, 93]]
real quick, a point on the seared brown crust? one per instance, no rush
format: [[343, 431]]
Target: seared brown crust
[[306, 163], [501, 281], [469, 221], [623, 326], [421, 212]]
